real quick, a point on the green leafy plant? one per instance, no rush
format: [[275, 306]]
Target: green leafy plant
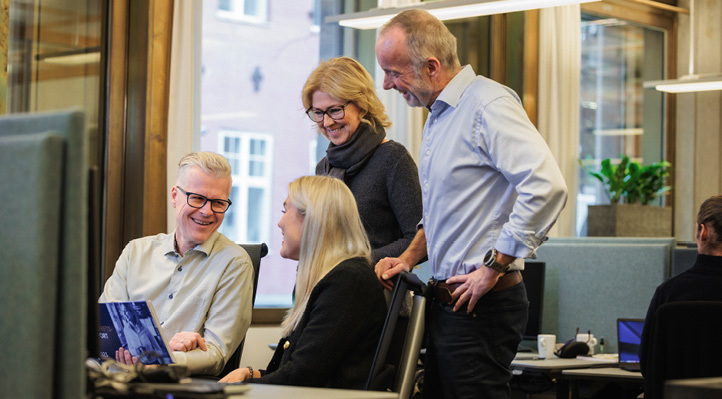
[[631, 182]]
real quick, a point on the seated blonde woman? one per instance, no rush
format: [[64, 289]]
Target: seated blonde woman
[[330, 333]]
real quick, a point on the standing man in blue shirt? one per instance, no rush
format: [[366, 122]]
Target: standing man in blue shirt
[[491, 191]]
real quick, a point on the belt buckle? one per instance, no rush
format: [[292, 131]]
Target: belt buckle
[[441, 292]]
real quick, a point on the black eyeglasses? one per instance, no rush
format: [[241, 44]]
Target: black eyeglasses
[[337, 112], [199, 201]]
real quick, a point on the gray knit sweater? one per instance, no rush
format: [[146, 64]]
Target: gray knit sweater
[[388, 195]]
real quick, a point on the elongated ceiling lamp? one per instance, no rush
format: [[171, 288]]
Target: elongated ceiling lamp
[[446, 10], [691, 82]]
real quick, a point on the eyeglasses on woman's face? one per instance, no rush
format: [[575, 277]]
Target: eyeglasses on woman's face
[[336, 113]]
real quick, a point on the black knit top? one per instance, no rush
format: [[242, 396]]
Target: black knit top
[[335, 341]]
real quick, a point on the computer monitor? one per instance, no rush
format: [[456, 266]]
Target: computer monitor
[[533, 274]]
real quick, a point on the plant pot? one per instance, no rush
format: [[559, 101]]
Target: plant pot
[[629, 220]]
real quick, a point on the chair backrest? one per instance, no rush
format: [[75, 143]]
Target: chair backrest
[[683, 344], [392, 372], [255, 252]]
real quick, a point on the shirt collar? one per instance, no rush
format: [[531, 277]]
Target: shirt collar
[[454, 89], [168, 244]]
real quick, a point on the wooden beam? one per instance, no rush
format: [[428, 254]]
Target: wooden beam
[[156, 139]]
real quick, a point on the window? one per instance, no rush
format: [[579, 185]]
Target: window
[[243, 10], [617, 116], [251, 111], [250, 156]]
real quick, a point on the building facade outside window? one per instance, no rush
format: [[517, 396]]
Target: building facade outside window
[[251, 159], [251, 112], [255, 11]]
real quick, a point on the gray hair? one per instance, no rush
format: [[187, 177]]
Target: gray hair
[[426, 37], [210, 163]]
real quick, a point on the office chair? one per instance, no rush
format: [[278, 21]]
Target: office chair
[[684, 344], [255, 252], [386, 373]]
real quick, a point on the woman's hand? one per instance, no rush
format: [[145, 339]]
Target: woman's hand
[[187, 341], [237, 375]]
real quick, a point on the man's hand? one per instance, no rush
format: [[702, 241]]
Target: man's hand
[[473, 286], [185, 341], [387, 268], [236, 375], [123, 356]]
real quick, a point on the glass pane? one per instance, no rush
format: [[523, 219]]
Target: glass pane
[[230, 224], [258, 147], [617, 116], [253, 226], [225, 5], [261, 97], [255, 168], [251, 7], [55, 47]]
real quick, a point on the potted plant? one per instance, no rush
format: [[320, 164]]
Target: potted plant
[[631, 188]]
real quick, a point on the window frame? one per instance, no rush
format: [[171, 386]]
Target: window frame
[[237, 14], [665, 18], [243, 181]]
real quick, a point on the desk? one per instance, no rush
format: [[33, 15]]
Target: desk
[[266, 391], [631, 383], [553, 368], [694, 388]]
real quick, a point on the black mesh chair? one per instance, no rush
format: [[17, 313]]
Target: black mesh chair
[[390, 371], [256, 252], [683, 344]]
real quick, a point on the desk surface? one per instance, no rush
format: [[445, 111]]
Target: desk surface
[[266, 391], [556, 364], [694, 388], [614, 373]]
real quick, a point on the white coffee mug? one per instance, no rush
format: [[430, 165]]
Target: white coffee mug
[[589, 340], [547, 344]]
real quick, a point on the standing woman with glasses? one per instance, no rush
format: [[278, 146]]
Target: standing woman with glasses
[[330, 333], [339, 96]]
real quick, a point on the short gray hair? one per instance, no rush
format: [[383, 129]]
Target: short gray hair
[[213, 164], [426, 37]]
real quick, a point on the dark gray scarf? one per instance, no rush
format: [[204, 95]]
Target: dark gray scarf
[[349, 158]]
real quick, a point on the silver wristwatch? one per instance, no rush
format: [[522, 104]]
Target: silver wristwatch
[[490, 262]]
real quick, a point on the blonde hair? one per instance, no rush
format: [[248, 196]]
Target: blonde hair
[[332, 232], [210, 163], [346, 79], [426, 37]]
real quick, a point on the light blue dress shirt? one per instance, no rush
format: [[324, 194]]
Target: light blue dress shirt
[[488, 179]]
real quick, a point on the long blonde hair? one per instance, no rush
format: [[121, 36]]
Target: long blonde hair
[[332, 232]]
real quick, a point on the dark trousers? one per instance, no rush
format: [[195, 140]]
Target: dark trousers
[[468, 355]]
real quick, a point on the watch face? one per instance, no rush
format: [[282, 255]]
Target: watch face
[[489, 257]]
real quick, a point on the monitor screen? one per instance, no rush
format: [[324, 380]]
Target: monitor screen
[[533, 274]]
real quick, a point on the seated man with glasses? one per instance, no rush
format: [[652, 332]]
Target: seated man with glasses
[[199, 281]]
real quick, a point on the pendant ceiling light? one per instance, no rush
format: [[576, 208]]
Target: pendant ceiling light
[[691, 82], [446, 10]]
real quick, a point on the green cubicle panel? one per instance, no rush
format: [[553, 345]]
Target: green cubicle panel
[[590, 282], [44, 264]]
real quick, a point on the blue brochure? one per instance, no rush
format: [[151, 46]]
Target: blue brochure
[[133, 326]]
